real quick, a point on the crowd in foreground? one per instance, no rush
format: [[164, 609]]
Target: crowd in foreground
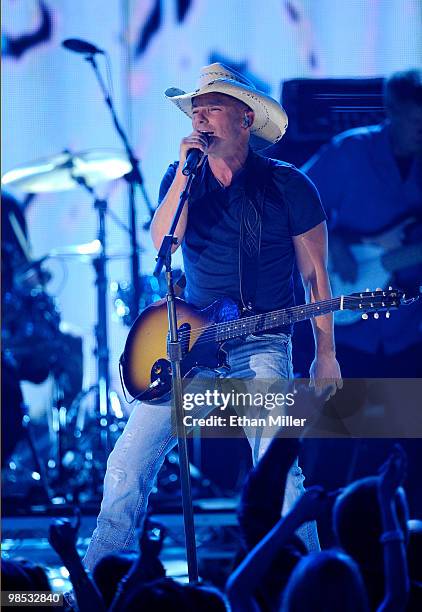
[[376, 565]]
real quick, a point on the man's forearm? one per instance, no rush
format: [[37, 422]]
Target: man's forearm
[[250, 573], [262, 495], [316, 289], [165, 212], [87, 594], [395, 562], [311, 249]]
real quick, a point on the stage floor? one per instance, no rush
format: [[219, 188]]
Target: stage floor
[[216, 535]]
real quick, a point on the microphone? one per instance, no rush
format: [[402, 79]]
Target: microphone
[[193, 158], [81, 46]]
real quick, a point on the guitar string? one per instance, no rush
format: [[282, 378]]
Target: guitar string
[[249, 320], [212, 328], [254, 318], [210, 331]]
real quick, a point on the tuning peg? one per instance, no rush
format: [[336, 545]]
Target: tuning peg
[[378, 289], [367, 289], [390, 288], [365, 316], [376, 315], [387, 315]]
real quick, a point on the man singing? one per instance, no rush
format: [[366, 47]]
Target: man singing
[[245, 213]]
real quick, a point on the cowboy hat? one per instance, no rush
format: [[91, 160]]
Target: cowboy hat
[[270, 122]]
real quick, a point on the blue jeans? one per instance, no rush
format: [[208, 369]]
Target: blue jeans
[[140, 451]]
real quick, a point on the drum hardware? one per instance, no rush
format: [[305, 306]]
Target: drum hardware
[[133, 176], [60, 172], [151, 290], [82, 460], [87, 169], [33, 470], [59, 427], [67, 174], [83, 252], [65, 171], [54, 351], [57, 174], [26, 421], [101, 332]]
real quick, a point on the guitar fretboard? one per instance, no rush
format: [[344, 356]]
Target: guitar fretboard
[[276, 318]]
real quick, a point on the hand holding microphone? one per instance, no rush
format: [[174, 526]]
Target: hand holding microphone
[[192, 149]]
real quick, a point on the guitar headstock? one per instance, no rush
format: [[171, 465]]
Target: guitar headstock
[[380, 300]]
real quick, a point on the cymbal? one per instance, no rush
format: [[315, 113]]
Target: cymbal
[[85, 251], [92, 248], [58, 172]]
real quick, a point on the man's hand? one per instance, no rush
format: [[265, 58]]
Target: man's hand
[[391, 474], [196, 140], [63, 535], [151, 539], [325, 375]]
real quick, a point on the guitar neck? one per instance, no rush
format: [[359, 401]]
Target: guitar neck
[[278, 318]]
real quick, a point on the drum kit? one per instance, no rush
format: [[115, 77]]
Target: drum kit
[[87, 169], [83, 437]]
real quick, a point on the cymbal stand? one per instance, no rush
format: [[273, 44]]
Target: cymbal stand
[[101, 331]]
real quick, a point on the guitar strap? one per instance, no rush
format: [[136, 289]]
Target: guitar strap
[[251, 228], [257, 176]]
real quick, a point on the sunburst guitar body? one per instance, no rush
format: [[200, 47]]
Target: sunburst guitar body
[[146, 369], [145, 366]]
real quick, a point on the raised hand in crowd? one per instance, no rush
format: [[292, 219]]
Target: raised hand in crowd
[[370, 523], [390, 479], [262, 495], [62, 536], [147, 567], [245, 579]]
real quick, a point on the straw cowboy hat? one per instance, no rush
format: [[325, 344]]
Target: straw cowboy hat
[[270, 122]]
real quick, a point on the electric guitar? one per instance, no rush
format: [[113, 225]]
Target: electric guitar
[[377, 258], [146, 370]]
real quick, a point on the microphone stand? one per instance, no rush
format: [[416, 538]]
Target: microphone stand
[[174, 345], [175, 357], [133, 178]]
